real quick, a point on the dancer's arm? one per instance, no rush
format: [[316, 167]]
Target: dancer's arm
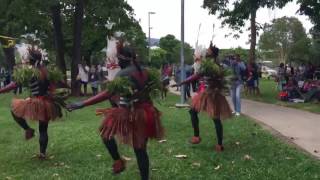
[[9, 87], [189, 80], [91, 101]]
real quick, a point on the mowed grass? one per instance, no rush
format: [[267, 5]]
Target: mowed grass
[[269, 94], [78, 153]]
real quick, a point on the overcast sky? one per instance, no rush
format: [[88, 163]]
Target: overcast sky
[[167, 21]]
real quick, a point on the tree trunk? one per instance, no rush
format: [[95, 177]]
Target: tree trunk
[[76, 51], [253, 41], [58, 35], [10, 57]]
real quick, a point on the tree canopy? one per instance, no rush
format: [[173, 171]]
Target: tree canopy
[[172, 47], [287, 38], [236, 13]]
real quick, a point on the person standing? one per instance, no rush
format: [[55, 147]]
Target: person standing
[[281, 77], [83, 77], [94, 80], [239, 69]]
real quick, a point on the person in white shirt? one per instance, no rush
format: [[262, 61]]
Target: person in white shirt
[[83, 77]]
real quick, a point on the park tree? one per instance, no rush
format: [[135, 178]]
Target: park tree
[[311, 8], [172, 46], [70, 29], [158, 57], [287, 38], [20, 17], [235, 14], [244, 55]]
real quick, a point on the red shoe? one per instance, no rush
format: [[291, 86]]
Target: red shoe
[[219, 148], [118, 166], [42, 156], [29, 133], [195, 140]]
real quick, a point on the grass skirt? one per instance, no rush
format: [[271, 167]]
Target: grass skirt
[[214, 103], [36, 108], [132, 126]]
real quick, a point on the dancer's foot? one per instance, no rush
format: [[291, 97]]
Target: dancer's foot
[[29, 133], [219, 148], [195, 140], [42, 156], [118, 166]]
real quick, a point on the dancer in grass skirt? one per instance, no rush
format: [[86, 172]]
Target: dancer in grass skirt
[[135, 119], [42, 106], [210, 97]]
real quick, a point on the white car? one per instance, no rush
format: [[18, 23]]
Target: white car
[[268, 72]]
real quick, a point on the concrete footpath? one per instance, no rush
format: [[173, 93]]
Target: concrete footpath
[[299, 127]]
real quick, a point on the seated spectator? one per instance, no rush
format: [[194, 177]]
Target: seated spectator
[[292, 90]]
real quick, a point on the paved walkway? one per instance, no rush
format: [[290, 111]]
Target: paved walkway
[[300, 127]]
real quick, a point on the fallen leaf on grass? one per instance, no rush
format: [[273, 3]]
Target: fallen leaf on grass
[[247, 157], [232, 162], [181, 156], [55, 175], [126, 158], [289, 158], [237, 143], [154, 169], [51, 157], [196, 164], [98, 155], [217, 168], [162, 141]]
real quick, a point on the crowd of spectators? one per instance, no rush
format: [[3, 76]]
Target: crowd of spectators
[[300, 83]]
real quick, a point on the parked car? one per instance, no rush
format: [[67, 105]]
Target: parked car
[[268, 72]]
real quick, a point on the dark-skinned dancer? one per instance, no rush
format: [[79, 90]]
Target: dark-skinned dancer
[[210, 97], [134, 120], [40, 106]]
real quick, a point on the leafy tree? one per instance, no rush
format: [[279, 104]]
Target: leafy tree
[[286, 37], [244, 55], [158, 57], [20, 17], [172, 46], [235, 14], [311, 8]]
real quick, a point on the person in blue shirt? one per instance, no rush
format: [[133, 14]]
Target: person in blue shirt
[[238, 68]]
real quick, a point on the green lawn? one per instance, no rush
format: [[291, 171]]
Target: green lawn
[[78, 153], [269, 94]]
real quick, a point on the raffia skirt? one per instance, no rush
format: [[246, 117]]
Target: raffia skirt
[[36, 108], [214, 103], [132, 126]]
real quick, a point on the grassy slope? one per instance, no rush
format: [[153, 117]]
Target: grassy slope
[[269, 94], [79, 154]]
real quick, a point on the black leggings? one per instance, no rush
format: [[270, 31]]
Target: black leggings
[[195, 125], [43, 131], [141, 154]]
